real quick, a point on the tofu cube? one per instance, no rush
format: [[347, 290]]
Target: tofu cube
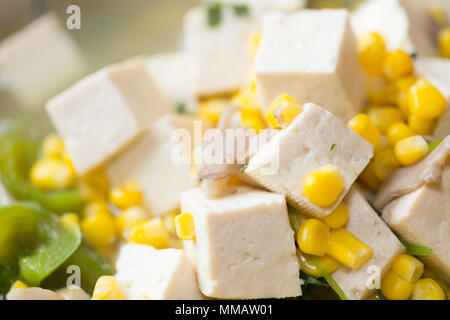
[[149, 162], [365, 224], [218, 56], [40, 60], [305, 146], [437, 71], [106, 111], [312, 56], [158, 274], [422, 217], [244, 246]]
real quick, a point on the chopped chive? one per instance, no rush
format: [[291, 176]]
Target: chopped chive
[[214, 14], [241, 10], [414, 250], [432, 145], [243, 169], [333, 146], [309, 279], [329, 279], [181, 108]]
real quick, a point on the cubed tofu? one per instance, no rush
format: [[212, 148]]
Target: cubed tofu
[[404, 24], [365, 224], [143, 271], [218, 56], [171, 74], [150, 162], [269, 5], [40, 60], [422, 217], [5, 198], [244, 247], [106, 111], [312, 56], [437, 71], [305, 146]]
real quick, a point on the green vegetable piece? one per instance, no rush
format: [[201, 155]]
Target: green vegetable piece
[[241, 10], [214, 11], [8, 275], [310, 280], [181, 108], [329, 279], [414, 250], [332, 146], [432, 145], [35, 241]]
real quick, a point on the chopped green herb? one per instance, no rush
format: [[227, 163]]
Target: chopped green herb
[[432, 145], [329, 279], [415, 250], [333, 146], [310, 280], [181, 108], [241, 10], [214, 14], [243, 168]]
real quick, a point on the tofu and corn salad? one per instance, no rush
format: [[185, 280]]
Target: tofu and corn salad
[[357, 104]]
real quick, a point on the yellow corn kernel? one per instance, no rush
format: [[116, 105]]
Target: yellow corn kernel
[[96, 207], [338, 218], [411, 150], [255, 39], [395, 288], [372, 52], [126, 197], [444, 42], [312, 237], [330, 264], [431, 274], [366, 129], [377, 91], [211, 109], [184, 225], [99, 229], [384, 163], [129, 218], [53, 147], [437, 14], [324, 186], [18, 284], [246, 99], [408, 268], [107, 288], [420, 125], [425, 101], [397, 64], [427, 289], [383, 117], [369, 178], [402, 87], [94, 186], [347, 249], [151, 232], [291, 107], [397, 132], [251, 115], [68, 219], [52, 174]]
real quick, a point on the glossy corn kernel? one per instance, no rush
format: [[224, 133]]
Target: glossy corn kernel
[[107, 288], [425, 101], [96, 207], [312, 237], [282, 111], [94, 186], [347, 249], [328, 263], [127, 196], [18, 284], [251, 115], [395, 288], [338, 217], [362, 125], [397, 64], [129, 218], [383, 117], [377, 91], [255, 39], [411, 150], [398, 131], [372, 52], [402, 86], [444, 42], [53, 147], [151, 232], [369, 178], [384, 163], [211, 109], [420, 125], [52, 174], [324, 186], [99, 229], [69, 219], [246, 99], [184, 226], [428, 289], [408, 268]]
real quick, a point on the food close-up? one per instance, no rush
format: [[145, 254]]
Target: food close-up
[[232, 150]]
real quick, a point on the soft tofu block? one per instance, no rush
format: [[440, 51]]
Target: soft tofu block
[[422, 217], [158, 274], [106, 111], [149, 162], [218, 56], [305, 146], [437, 71], [311, 55], [40, 60], [365, 224], [244, 246], [269, 5]]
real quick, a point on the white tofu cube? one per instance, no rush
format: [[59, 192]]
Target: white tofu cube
[[159, 274], [244, 247], [149, 162], [422, 217], [106, 111], [218, 56], [305, 146], [40, 60], [311, 55], [365, 224], [269, 5], [437, 71]]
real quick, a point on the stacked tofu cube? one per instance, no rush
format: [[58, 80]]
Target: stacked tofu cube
[[312, 56]]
